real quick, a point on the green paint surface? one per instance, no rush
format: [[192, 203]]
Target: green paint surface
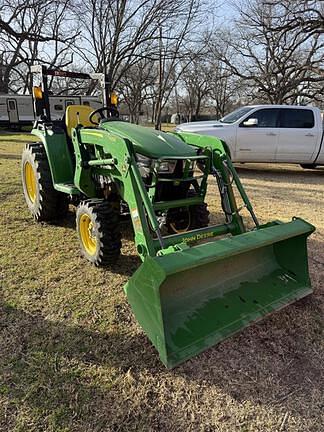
[[190, 300], [148, 141]]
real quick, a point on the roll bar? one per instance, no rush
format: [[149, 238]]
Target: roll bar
[[44, 107]]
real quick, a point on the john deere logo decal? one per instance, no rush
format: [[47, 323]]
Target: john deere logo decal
[[198, 237]]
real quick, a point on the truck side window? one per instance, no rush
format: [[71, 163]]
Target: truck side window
[[297, 118], [267, 118]]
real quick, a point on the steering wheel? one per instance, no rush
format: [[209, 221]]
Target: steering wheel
[[111, 111]]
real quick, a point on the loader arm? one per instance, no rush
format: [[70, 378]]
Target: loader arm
[[114, 157], [222, 163]]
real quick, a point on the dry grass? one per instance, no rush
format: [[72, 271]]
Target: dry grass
[[72, 357]]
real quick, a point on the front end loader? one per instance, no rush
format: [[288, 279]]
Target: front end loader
[[198, 283]]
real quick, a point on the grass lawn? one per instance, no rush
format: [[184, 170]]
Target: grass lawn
[[73, 358]]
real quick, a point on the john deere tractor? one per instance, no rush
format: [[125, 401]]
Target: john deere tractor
[[198, 283]]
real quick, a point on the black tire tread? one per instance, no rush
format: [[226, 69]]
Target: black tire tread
[[106, 219], [308, 166], [50, 204], [199, 214]]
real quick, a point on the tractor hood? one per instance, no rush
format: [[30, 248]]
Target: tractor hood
[[149, 142]]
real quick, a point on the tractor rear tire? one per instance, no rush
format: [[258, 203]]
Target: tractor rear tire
[[97, 223], [44, 202]]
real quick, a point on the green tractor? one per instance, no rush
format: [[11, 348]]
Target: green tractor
[[193, 289]]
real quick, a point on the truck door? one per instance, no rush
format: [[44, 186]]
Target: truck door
[[258, 135], [298, 135], [12, 111]]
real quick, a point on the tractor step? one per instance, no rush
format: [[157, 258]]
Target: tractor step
[[67, 188]]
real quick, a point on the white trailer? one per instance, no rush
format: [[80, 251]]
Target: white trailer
[[18, 110]]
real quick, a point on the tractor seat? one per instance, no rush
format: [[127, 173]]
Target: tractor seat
[[77, 114]]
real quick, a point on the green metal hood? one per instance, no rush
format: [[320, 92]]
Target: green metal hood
[[149, 142]]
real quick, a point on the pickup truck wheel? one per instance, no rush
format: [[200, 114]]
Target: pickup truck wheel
[[308, 166], [97, 223], [43, 201]]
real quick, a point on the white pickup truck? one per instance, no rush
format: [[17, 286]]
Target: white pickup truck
[[269, 133]]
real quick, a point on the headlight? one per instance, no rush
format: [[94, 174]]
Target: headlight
[[143, 161], [166, 167], [144, 164]]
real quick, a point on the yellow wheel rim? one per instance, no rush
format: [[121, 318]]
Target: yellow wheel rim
[[30, 181], [87, 236]]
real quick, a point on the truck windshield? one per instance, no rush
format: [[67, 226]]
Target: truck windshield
[[235, 115]]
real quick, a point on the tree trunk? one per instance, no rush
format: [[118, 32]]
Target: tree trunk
[[197, 111], [157, 117], [4, 79]]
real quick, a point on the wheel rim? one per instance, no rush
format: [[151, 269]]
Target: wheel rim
[[87, 236], [30, 181]]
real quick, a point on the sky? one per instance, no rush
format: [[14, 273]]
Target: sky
[[221, 11], [226, 9]]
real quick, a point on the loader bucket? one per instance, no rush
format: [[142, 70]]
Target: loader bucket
[[189, 300]]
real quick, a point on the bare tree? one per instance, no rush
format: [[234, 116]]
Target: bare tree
[[225, 88], [32, 31], [115, 32], [196, 83], [134, 87], [306, 16], [174, 52], [282, 66]]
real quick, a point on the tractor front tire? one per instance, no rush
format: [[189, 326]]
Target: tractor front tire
[[97, 223], [43, 201], [199, 216], [180, 220]]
